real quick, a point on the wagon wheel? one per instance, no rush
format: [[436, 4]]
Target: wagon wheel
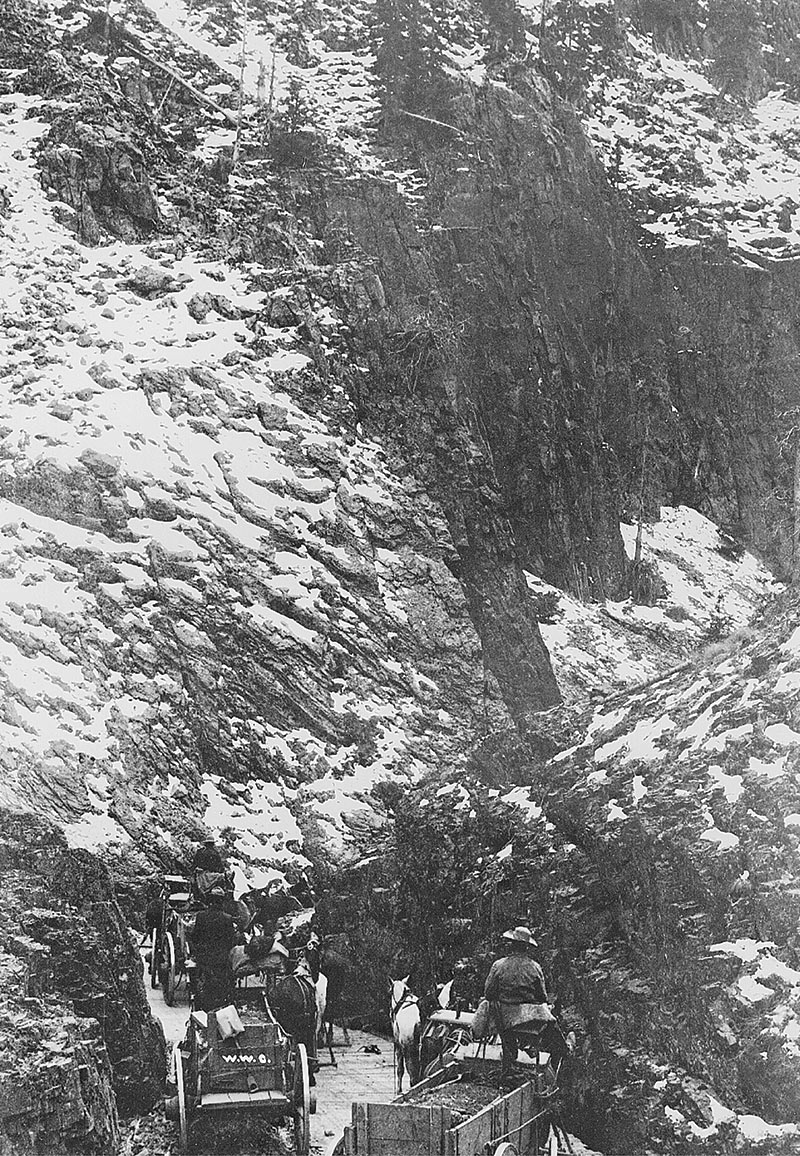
[[505, 1150], [301, 1099], [177, 1063], [152, 966], [167, 968]]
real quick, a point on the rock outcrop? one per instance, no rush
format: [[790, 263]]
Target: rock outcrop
[[78, 1042]]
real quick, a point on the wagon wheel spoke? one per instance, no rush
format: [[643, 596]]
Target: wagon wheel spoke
[[155, 947]]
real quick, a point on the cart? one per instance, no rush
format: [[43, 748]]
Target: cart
[[428, 1120], [168, 957], [259, 1072]]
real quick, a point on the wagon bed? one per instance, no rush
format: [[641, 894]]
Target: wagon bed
[[449, 1115], [258, 1071]]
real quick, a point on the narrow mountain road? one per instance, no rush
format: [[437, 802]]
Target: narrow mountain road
[[359, 1074]]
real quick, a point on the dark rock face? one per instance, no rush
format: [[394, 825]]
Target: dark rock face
[[56, 1092], [101, 174], [71, 962], [522, 306], [732, 334]]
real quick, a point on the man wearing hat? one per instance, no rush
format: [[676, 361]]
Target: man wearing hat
[[212, 939], [207, 867], [515, 987]]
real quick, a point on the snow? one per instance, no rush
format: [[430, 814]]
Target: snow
[[781, 734], [755, 1130], [748, 950], [732, 785], [94, 829], [520, 797], [770, 770], [603, 646], [190, 441], [751, 990]]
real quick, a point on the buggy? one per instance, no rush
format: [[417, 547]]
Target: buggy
[[168, 957]]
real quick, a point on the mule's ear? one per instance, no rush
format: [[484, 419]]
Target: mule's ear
[[407, 978]]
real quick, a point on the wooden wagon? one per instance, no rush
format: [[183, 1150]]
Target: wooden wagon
[[521, 1122], [257, 1071], [168, 960]]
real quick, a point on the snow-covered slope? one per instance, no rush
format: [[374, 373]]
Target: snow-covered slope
[[706, 593], [215, 602], [695, 162], [694, 777]]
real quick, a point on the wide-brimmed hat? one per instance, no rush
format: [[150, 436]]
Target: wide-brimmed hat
[[217, 893], [209, 839], [521, 935]]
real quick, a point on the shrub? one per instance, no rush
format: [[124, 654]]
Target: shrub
[[546, 606]]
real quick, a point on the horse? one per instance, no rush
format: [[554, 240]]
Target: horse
[[324, 960], [293, 999], [406, 1027]]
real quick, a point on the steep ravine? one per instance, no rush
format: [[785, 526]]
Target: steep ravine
[[284, 453]]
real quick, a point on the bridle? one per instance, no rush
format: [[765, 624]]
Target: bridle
[[406, 998]]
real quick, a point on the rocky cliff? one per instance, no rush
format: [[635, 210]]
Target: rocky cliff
[[78, 1042]]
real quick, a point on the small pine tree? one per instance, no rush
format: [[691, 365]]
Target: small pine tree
[[410, 39], [295, 111], [295, 37]]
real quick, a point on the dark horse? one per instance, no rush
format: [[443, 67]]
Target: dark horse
[[323, 957], [293, 999]]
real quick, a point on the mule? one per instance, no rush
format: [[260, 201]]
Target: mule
[[406, 1027]]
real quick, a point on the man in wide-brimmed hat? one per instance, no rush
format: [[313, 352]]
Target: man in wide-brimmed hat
[[515, 986], [212, 938]]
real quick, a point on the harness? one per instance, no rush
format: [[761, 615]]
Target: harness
[[406, 998]]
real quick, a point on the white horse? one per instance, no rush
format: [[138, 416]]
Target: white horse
[[406, 1024]]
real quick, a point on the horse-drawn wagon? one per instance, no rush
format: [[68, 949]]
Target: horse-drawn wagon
[[169, 921], [238, 1061], [456, 1112]]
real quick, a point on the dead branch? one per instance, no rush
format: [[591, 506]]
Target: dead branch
[[199, 96], [430, 120]]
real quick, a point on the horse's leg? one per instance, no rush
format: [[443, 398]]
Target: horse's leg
[[399, 1064], [412, 1061]]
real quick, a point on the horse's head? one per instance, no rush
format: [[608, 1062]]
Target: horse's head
[[400, 991]]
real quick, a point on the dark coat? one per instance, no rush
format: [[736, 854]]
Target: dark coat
[[212, 939], [208, 859]]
